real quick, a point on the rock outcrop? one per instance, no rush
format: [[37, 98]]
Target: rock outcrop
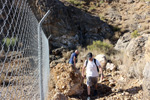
[[66, 80], [123, 42], [146, 72], [102, 59], [133, 57], [70, 26]]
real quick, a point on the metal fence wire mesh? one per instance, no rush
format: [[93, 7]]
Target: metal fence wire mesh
[[19, 70]]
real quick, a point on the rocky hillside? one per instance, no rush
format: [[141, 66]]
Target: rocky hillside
[[69, 25], [126, 23], [67, 83], [129, 20]]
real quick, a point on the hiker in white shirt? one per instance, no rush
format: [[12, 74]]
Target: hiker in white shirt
[[92, 73]]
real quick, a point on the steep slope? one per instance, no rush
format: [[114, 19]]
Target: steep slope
[[74, 23], [70, 26]]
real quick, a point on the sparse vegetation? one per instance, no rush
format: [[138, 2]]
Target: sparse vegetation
[[97, 4], [103, 47], [76, 2], [92, 8], [101, 17], [135, 34], [9, 42], [101, 1]]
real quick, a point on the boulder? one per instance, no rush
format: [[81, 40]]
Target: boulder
[[110, 67], [136, 47], [102, 59], [134, 50], [67, 80], [123, 42]]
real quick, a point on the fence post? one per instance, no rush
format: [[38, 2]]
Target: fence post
[[39, 55]]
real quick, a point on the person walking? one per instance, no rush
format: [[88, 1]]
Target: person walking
[[92, 73], [73, 58]]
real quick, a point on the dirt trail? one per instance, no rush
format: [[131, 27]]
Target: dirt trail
[[113, 87], [116, 87]]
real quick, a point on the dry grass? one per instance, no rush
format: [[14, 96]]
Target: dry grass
[[132, 68], [66, 55]]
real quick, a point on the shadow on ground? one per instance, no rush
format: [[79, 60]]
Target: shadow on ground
[[103, 90], [134, 90]]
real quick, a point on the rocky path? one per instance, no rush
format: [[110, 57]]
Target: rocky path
[[116, 87], [68, 83]]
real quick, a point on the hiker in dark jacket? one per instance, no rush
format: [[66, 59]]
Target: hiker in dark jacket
[[92, 73]]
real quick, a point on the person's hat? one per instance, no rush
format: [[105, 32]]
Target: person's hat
[[89, 55]]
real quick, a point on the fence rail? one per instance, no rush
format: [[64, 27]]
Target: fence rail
[[19, 53]]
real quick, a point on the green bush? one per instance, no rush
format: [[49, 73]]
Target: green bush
[[92, 8], [101, 1], [100, 46], [76, 2], [135, 34], [9, 41], [102, 18]]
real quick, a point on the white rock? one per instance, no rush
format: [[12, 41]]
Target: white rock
[[101, 58], [110, 66]]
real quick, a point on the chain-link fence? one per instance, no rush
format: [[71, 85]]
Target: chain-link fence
[[19, 49]]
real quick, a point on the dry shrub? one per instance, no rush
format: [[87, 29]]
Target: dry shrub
[[66, 55], [135, 34], [116, 58]]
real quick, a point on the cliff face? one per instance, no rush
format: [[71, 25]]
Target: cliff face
[[69, 26]]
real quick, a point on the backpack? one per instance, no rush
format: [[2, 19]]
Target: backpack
[[95, 64]]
